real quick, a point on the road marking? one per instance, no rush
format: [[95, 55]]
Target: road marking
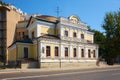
[[60, 74]]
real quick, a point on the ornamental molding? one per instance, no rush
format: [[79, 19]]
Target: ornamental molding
[[69, 23]]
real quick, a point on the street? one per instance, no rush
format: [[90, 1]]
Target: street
[[90, 74]]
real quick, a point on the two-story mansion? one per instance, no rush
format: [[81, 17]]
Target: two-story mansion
[[48, 39]]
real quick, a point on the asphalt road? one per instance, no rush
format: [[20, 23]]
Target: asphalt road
[[91, 74]]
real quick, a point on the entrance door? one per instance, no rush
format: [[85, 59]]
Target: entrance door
[[25, 52]]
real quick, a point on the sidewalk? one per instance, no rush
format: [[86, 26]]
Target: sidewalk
[[54, 69]]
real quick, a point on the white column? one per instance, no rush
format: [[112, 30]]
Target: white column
[[71, 35], [85, 34], [71, 51], [78, 34], [62, 32], [92, 38], [40, 50], [38, 33], [79, 52], [62, 51], [86, 52]]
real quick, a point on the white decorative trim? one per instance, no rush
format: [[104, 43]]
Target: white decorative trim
[[71, 51], [38, 33]]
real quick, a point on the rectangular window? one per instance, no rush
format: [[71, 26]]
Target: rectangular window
[[74, 34], [33, 35], [82, 36], [66, 52], [56, 51], [66, 33], [89, 55], [25, 52], [47, 51], [74, 51], [94, 54], [82, 52]]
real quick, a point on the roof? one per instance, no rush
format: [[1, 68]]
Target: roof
[[25, 41], [22, 41], [48, 36], [46, 18]]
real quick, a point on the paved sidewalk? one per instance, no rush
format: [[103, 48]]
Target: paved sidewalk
[[53, 69]]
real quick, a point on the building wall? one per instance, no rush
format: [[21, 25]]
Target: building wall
[[47, 30], [12, 18], [20, 50], [61, 45], [35, 54], [12, 54]]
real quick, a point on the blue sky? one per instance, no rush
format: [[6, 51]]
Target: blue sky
[[91, 12]]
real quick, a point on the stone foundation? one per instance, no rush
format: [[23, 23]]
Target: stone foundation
[[69, 65]]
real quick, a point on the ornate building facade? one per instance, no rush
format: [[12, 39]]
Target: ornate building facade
[[48, 39]]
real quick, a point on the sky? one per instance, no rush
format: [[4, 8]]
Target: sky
[[91, 12]]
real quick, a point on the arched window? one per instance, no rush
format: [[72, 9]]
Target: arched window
[[66, 52], [82, 52], [82, 36], [89, 54], [74, 52], [74, 34]]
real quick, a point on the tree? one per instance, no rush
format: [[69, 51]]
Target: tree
[[111, 26]]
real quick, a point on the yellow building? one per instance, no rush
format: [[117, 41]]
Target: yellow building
[[54, 41]]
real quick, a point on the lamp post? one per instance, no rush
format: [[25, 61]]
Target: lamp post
[[38, 54]]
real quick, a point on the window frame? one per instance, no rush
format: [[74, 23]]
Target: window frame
[[82, 53], [66, 52], [89, 53], [48, 51], [66, 33], [74, 52], [74, 34], [82, 36], [56, 51]]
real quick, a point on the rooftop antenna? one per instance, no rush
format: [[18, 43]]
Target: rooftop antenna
[[58, 11]]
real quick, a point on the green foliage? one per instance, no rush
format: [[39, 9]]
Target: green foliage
[[111, 26]]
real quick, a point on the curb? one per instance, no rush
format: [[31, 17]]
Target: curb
[[50, 69]]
